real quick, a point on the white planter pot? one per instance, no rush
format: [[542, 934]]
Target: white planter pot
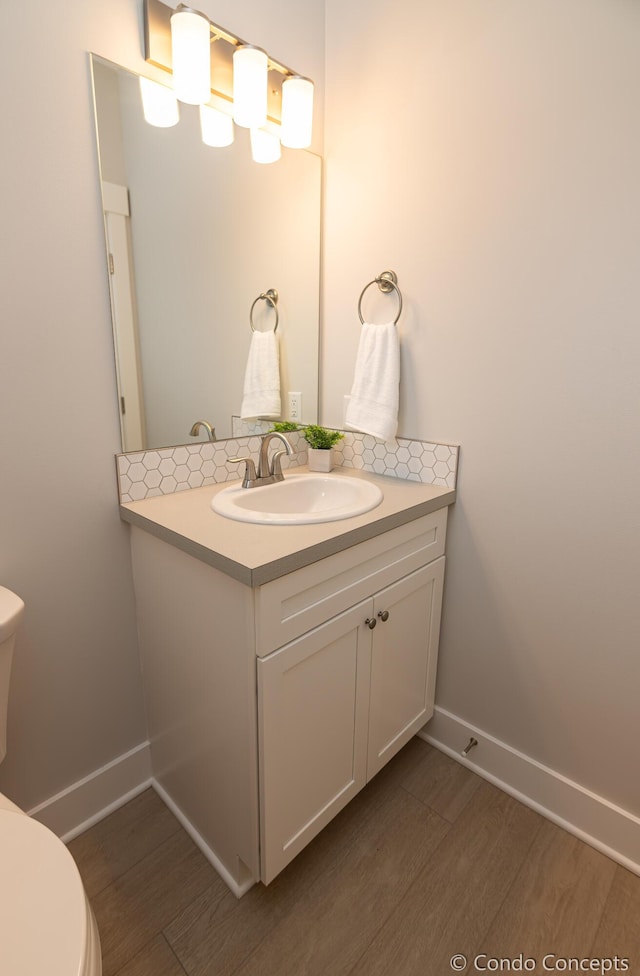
[[320, 460]]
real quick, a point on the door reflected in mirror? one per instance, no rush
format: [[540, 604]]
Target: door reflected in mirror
[[194, 235]]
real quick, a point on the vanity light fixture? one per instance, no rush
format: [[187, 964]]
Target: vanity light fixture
[[250, 70], [190, 55], [297, 112], [265, 144], [159, 104], [216, 127], [257, 90]]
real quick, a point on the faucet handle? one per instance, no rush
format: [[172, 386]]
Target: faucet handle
[[276, 465], [249, 479]]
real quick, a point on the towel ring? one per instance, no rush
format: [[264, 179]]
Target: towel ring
[[271, 298], [386, 282]]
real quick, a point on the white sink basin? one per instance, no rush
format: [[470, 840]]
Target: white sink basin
[[298, 500]]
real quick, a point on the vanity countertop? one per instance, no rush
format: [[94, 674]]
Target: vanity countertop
[[256, 554]]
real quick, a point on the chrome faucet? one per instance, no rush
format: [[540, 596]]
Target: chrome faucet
[[211, 431], [266, 474]]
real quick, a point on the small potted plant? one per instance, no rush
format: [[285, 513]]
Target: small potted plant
[[285, 426], [321, 442]]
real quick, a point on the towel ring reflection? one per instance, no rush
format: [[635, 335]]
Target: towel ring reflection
[[386, 282], [271, 298]]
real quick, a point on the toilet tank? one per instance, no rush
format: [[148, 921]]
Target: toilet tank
[[11, 611]]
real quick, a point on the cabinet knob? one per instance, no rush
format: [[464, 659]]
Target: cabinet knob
[[371, 622], [384, 615]]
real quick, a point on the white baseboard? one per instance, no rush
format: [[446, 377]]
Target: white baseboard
[[594, 819], [84, 803], [93, 798], [238, 889]]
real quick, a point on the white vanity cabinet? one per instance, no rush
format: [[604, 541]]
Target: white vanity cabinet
[[271, 706], [335, 705]]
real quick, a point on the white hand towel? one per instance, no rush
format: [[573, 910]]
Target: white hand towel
[[262, 377], [373, 407]]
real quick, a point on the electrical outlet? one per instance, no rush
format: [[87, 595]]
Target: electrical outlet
[[295, 406]]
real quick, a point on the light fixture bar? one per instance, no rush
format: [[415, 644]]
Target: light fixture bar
[[219, 33], [157, 30]]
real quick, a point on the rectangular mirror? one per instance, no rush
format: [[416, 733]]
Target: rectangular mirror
[[194, 236]]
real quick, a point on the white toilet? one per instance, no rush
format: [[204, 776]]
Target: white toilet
[[46, 922]]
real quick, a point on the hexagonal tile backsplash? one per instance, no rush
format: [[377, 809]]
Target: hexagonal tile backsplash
[[161, 472], [432, 464]]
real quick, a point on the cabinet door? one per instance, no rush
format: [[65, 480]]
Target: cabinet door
[[403, 662], [312, 721]]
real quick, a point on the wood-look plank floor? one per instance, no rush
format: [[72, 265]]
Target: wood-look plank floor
[[427, 863]]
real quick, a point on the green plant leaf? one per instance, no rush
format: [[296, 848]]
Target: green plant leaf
[[283, 427], [320, 438]]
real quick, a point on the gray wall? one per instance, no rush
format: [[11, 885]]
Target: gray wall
[[76, 700], [489, 152]]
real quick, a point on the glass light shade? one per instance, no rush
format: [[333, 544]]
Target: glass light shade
[[265, 146], [159, 104], [297, 112], [216, 127], [250, 67], [191, 56]]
